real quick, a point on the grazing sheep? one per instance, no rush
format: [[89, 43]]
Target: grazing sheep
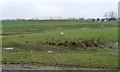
[[62, 33], [50, 51], [102, 25], [60, 28], [117, 43], [8, 48], [84, 28]]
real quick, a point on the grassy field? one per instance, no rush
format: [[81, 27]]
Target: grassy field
[[32, 39]]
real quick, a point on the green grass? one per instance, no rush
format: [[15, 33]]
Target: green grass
[[108, 35], [72, 30], [86, 58], [9, 26], [102, 59]]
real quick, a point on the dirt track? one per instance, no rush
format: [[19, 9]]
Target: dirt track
[[36, 67]]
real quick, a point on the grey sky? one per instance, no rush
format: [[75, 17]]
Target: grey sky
[[53, 8]]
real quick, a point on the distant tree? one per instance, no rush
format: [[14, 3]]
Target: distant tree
[[102, 19], [110, 16], [106, 15], [93, 19], [113, 15], [98, 19]]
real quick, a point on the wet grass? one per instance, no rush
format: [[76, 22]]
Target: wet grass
[[101, 59], [108, 35], [16, 26], [37, 36]]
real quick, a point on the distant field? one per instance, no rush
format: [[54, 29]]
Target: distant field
[[96, 50], [37, 30]]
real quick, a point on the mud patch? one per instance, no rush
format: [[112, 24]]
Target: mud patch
[[55, 44], [6, 33], [79, 43]]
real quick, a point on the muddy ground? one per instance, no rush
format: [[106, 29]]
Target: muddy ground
[[37, 67]]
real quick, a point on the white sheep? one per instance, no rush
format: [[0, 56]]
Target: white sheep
[[102, 25], [117, 43], [50, 51], [62, 33], [83, 28], [60, 28], [8, 48]]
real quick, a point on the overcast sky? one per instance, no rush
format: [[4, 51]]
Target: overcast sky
[[56, 8]]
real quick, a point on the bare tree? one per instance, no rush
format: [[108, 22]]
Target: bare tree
[[106, 15], [110, 16]]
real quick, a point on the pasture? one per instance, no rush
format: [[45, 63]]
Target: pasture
[[84, 44]]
